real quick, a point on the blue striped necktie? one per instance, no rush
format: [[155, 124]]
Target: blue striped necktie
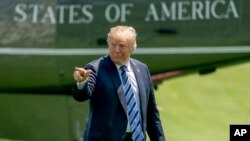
[[132, 107]]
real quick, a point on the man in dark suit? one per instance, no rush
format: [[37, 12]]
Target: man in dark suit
[[119, 89]]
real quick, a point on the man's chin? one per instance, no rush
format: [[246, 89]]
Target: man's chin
[[118, 62]]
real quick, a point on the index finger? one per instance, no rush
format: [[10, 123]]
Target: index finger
[[79, 69]]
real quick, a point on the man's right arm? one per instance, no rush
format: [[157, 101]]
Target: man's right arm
[[85, 83]]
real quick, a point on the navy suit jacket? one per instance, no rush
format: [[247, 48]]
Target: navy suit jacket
[[107, 118]]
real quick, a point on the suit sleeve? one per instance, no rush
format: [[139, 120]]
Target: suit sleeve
[[154, 126], [86, 92]]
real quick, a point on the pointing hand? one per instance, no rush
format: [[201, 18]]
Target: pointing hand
[[81, 74]]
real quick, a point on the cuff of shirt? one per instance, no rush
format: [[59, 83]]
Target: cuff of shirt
[[80, 85]]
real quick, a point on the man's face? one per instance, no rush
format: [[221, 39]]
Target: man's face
[[119, 50]]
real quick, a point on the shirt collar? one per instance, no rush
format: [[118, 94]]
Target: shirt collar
[[128, 65]]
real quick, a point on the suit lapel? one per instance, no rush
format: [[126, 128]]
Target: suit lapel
[[114, 75], [141, 88]]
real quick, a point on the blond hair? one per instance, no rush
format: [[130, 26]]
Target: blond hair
[[123, 32]]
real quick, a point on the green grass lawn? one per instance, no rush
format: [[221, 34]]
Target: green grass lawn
[[201, 108]]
